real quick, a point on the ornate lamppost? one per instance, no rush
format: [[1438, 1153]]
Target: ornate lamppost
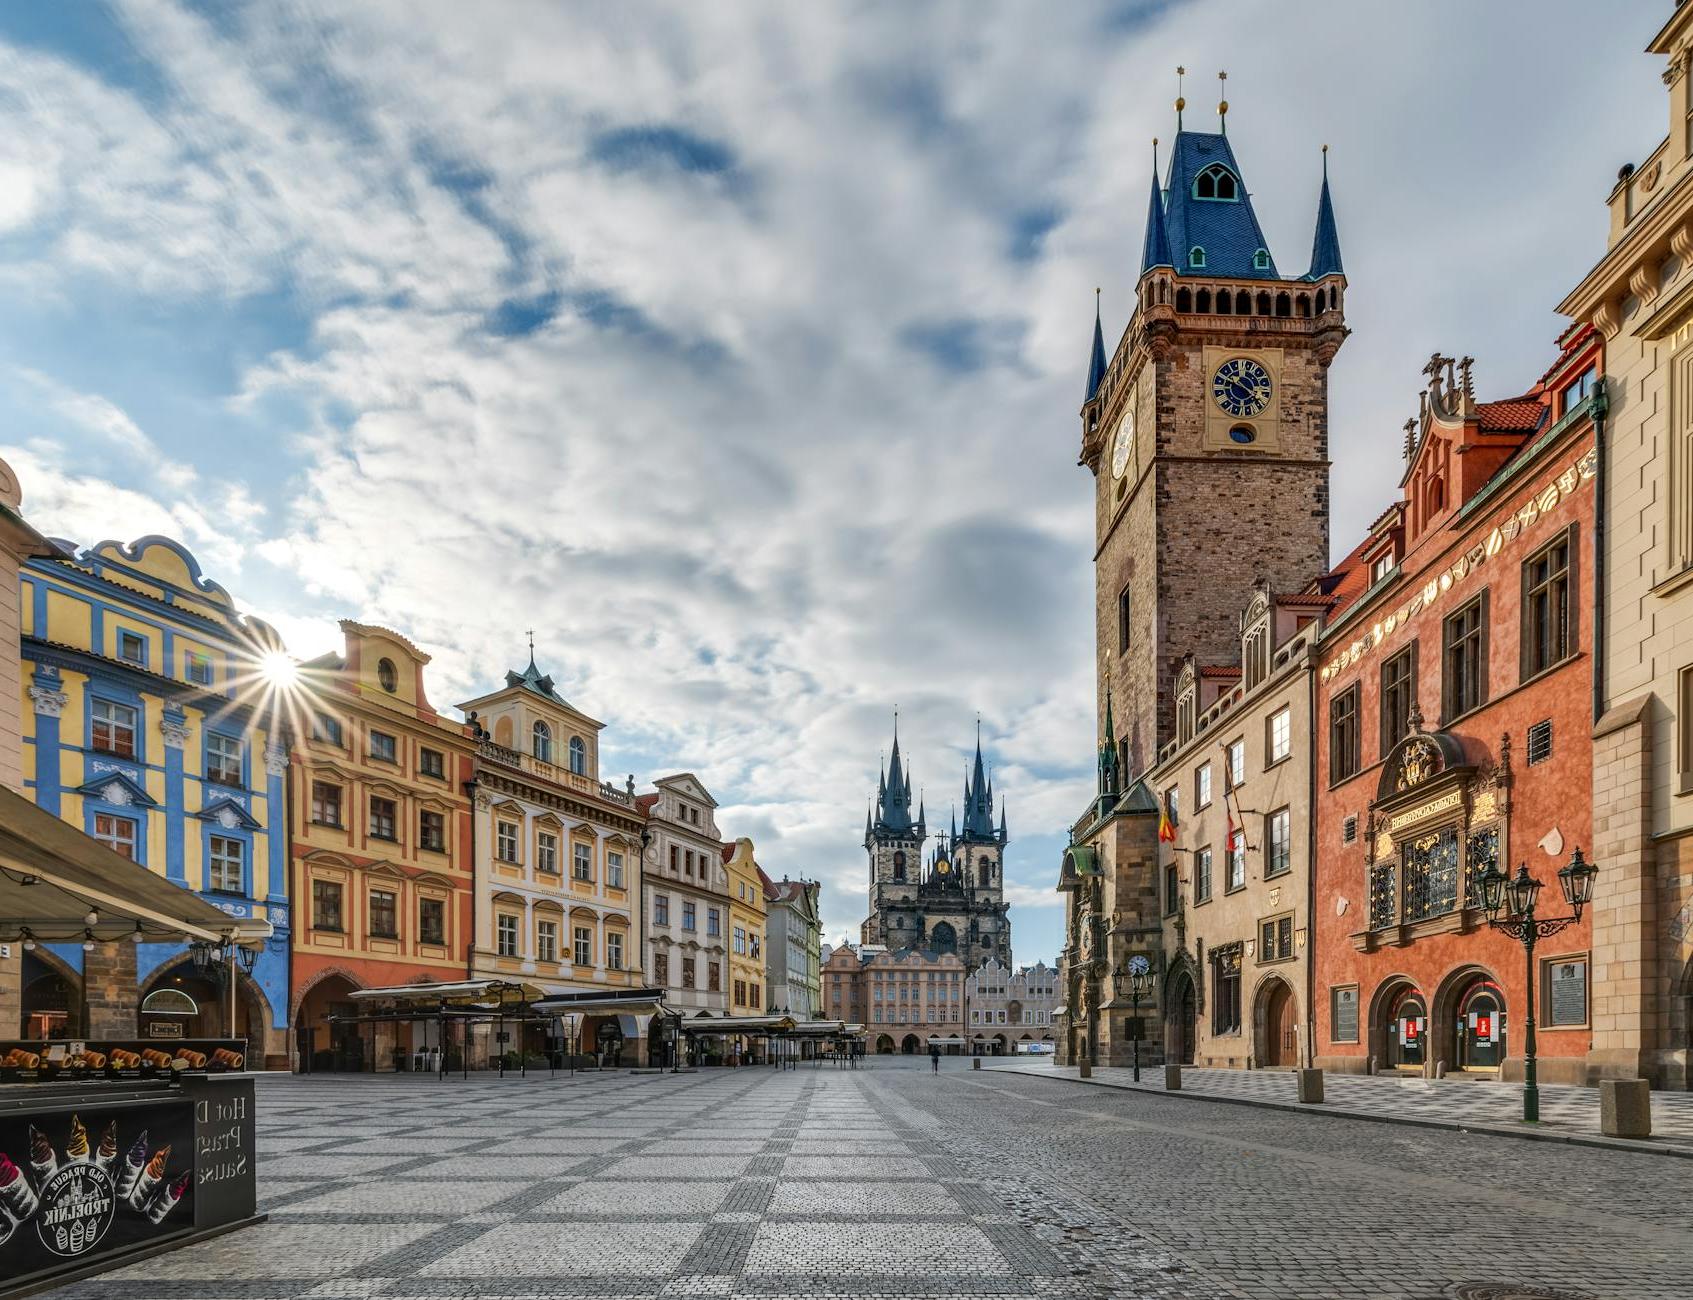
[[1138, 971], [1515, 896]]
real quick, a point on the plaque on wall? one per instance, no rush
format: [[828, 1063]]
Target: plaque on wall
[[1345, 1029], [1566, 993]]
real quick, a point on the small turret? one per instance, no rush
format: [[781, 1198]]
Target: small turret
[[1325, 244]]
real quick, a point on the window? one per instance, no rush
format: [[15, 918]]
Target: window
[[1464, 686], [713, 923], [1398, 694], [505, 935], [582, 947], [114, 728], [505, 841], [541, 742], [1123, 626], [382, 818], [1349, 829], [582, 861], [1275, 938], [1202, 876], [1216, 182], [1202, 787], [1380, 567], [1236, 771], [1279, 832], [1261, 260], [740, 940], [614, 869], [386, 676], [431, 920], [382, 746], [132, 648], [1237, 862], [1540, 742], [673, 857], [1343, 734], [578, 756], [661, 969], [688, 915], [225, 875], [1280, 739], [223, 759], [326, 905], [752, 944], [383, 922], [546, 940], [1225, 990], [740, 993], [1548, 622], [1574, 393], [432, 831], [197, 667], [326, 728], [432, 762], [1243, 434], [117, 833], [546, 852], [714, 977], [1684, 730], [688, 863], [661, 909], [613, 950], [1196, 256], [687, 972], [1172, 889], [326, 803]]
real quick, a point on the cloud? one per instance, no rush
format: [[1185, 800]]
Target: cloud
[[735, 350]]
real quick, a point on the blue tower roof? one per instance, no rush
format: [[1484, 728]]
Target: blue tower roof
[[1325, 245], [1096, 361], [1206, 207], [1156, 251], [978, 800]]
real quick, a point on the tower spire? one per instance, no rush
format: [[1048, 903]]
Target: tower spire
[[1325, 243], [1155, 251], [1096, 358]]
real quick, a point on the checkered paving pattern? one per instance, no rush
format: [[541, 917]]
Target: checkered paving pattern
[[1466, 1104], [891, 1182]]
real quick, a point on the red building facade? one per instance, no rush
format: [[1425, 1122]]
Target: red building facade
[[1454, 734]]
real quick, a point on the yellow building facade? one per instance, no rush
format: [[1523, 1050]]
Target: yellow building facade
[[747, 914]]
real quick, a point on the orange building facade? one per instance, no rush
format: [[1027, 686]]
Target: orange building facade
[[1454, 734], [381, 847]]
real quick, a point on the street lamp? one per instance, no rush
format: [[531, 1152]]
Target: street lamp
[[1138, 971], [1516, 896]]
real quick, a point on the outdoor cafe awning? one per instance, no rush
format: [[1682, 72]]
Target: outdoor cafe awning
[[636, 1002], [954, 1041], [738, 1025], [52, 875], [456, 993]]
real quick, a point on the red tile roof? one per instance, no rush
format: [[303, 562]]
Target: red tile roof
[[646, 802], [1514, 415], [1220, 673]]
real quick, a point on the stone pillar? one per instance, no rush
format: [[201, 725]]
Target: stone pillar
[[1623, 985], [110, 991]]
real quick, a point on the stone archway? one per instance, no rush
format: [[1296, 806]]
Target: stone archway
[[884, 1045], [1181, 1018], [320, 1045], [1470, 998], [908, 1045], [1398, 1026], [1275, 1024], [211, 996], [51, 997]]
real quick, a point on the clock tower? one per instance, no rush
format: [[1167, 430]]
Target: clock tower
[[1207, 436]]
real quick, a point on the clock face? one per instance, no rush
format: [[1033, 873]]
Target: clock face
[[1139, 965], [1125, 442], [1241, 387]]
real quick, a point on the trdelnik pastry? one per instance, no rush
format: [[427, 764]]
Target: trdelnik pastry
[[76, 1150], [42, 1159], [150, 1178], [167, 1198], [133, 1165], [107, 1155], [16, 1195]]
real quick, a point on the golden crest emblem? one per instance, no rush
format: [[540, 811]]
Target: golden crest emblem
[[1417, 763]]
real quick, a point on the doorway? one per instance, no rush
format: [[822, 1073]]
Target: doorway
[[1278, 1044], [1183, 1018], [1406, 1031], [1480, 1027]]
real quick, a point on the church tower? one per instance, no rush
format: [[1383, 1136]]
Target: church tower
[[1206, 433], [894, 841]]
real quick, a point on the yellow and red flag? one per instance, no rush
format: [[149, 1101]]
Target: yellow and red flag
[[1166, 827]]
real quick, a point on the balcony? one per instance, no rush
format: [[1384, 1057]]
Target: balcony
[[545, 771]]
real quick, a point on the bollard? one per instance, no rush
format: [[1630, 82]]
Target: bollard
[[975, 1062], [1310, 1086], [1625, 1108], [1172, 1078], [1085, 1070]]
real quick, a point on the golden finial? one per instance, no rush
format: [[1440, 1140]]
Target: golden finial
[[1180, 102], [1222, 104]]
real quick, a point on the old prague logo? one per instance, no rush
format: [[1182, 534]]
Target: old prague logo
[[77, 1206]]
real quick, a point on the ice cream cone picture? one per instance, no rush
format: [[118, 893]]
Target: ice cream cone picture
[[16, 1196], [167, 1198], [107, 1155], [150, 1177], [42, 1160], [76, 1150], [134, 1163]]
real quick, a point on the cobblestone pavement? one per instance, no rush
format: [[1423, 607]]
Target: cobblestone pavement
[[1565, 1111], [894, 1182]]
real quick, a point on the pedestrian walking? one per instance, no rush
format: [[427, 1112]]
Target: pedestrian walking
[[935, 1057]]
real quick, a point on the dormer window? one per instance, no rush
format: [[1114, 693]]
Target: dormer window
[[1216, 182], [1187, 714], [1196, 256], [1261, 260], [1381, 567]]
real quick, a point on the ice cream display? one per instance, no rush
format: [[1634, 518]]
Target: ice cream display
[[76, 1150], [167, 1199], [42, 1160], [150, 1178], [16, 1196], [107, 1155], [133, 1164]]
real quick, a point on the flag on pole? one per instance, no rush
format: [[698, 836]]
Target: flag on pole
[[1166, 827]]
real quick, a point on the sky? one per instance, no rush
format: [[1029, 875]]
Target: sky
[[736, 349]]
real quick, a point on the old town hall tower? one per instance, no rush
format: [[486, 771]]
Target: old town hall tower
[[1207, 435], [955, 900]]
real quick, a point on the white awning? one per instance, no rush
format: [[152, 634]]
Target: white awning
[[455, 993], [738, 1025]]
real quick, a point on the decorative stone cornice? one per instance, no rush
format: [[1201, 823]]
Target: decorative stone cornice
[[276, 760], [1645, 280], [175, 730], [49, 703]]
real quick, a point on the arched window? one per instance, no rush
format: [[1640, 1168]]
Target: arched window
[[1196, 256], [899, 864], [982, 874], [1225, 304], [543, 742], [1202, 303], [386, 676], [1263, 304], [1322, 297], [1216, 182], [578, 756], [1284, 305], [1243, 303], [1261, 260], [1184, 300], [1302, 305]]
